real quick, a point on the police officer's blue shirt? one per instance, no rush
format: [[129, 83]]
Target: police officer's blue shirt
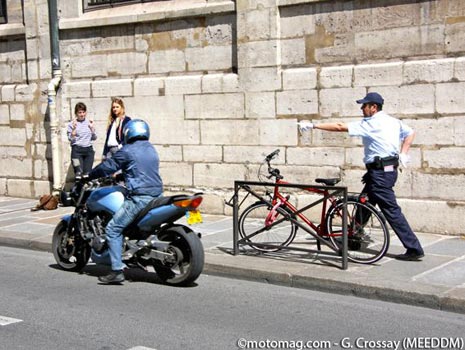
[[139, 162], [381, 135]]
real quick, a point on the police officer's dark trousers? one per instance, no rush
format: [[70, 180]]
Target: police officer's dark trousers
[[379, 187]]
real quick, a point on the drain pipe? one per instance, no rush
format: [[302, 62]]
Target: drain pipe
[[53, 87]]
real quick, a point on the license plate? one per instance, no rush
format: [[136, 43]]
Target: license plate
[[194, 217]]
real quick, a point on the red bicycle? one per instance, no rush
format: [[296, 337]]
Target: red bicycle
[[269, 226]]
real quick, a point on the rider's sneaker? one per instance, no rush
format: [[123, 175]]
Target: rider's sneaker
[[114, 277]]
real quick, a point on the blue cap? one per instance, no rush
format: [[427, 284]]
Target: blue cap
[[372, 97]]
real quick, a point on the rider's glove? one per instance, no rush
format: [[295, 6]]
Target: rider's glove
[[305, 125], [404, 160]]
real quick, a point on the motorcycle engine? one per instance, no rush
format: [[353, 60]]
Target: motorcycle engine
[[98, 240]]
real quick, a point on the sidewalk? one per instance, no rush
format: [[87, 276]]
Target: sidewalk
[[438, 281]]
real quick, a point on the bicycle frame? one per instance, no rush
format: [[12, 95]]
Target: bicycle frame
[[319, 229]]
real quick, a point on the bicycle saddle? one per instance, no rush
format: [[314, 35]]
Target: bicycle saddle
[[328, 182]]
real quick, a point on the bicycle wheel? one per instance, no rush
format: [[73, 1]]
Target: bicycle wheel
[[367, 232], [255, 226]]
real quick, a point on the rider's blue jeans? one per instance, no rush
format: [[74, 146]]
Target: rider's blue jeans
[[122, 218]]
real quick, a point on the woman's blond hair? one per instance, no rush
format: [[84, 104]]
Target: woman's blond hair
[[119, 101]]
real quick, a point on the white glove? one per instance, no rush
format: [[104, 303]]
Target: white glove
[[305, 125], [404, 160]]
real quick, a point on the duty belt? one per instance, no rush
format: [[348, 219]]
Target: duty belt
[[379, 163]]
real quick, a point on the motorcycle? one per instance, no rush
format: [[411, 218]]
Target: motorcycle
[[152, 239]]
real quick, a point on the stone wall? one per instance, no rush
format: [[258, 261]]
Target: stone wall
[[222, 83]]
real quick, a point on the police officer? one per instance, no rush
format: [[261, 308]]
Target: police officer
[[381, 134]]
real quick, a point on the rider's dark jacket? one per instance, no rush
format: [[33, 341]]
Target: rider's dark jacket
[[139, 162]]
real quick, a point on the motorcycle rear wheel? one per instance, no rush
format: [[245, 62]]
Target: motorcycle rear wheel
[[70, 255], [188, 253]]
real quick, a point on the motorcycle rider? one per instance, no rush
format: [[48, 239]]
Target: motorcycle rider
[[139, 161]]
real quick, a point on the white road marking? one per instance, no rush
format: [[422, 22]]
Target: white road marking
[[8, 320], [141, 348]]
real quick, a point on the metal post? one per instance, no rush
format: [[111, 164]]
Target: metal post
[[235, 220]]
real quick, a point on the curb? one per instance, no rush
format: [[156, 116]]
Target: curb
[[361, 289]]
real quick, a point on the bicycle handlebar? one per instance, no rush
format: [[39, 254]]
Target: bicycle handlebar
[[272, 155]]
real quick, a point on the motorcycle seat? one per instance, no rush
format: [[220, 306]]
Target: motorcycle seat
[[157, 202]]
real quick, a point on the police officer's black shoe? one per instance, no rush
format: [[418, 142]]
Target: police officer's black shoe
[[410, 256], [114, 277]]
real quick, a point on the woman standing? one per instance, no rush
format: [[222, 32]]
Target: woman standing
[[117, 119], [81, 133]]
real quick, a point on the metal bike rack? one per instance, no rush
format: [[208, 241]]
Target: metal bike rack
[[332, 191]]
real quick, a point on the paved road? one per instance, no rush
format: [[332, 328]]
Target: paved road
[[62, 310], [438, 281]]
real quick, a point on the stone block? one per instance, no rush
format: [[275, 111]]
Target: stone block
[[169, 153], [258, 53], [440, 217], [209, 106], [8, 93], [148, 86], [299, 79], [212, 83], [297, 102], [3, 187], [260, 105], [5, 71], [336, 77], [200, 59], [252, 154], [408, 99], [85, 67], [438, 186], [293, 52], [459, 69], [399, 42], [354, 157], [150, 107], [41, 187], [19, 168], [444, 158], [454, 37], [19, 188], [26, 92], [459, 128], [202, 154], [230, 83], [319, 156], [12, 136], [260, 79], [278, 132], [17, 112], [183, 85], [127, 63], [378, 74], [295, 24], [4, 114], [167, 61], [340, 102], [176, 174], [429, 71], [77, 89], [433, 131], [174, 131], [213, 203], [230, 132], [254, 25], [112, 87], [450, 98], [218, 175]]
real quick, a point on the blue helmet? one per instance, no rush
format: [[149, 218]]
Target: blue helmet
[[136, 129]]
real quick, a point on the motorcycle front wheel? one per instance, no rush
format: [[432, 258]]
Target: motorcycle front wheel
[[70, 253], [187, 257]]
